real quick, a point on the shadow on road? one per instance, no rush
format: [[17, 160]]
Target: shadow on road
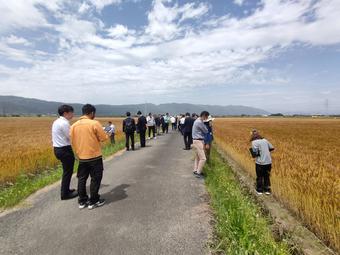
[[116, 194]]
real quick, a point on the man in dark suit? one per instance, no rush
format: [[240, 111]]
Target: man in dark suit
[[141, 128], [129, 128], [187, 131]]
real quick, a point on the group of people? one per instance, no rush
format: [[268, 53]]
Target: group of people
[[83, 139], [151, 124]]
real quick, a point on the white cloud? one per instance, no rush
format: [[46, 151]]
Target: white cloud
[[239, 2], [14, 40], [118, 31], [100, 4], [168, 54]]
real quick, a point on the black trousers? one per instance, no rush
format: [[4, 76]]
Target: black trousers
[[153, 130], [94, 169], [187, 140], [142, 137], [263, 177], [65, 155], [128, 137], [166, 128], [173, 126], [112, 138]]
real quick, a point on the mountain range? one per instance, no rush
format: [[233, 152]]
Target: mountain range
[[13, 105]]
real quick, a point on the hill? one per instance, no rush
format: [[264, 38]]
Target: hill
[[12, 105]]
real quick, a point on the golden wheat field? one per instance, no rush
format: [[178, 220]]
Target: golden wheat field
[[306, 165], [26, 145]]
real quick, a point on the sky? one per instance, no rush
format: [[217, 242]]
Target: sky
[[278, 55]]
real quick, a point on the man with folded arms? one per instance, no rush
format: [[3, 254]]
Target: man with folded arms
[[63, 150], [86, 137], [199, 131]]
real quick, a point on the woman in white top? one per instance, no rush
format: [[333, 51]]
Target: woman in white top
[[151, 125]]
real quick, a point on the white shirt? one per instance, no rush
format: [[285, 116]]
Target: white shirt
[[111, 129], [173, 120], [150, 121], [182, 120], [263, 147], [61, 132]]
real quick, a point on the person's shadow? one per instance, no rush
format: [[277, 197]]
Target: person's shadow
[[116, 194]]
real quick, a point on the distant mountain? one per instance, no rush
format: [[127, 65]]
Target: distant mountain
[[12, 105]]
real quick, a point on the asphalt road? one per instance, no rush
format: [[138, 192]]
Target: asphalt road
[[154, 206]]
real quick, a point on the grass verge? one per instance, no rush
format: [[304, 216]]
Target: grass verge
[[240, 226], [26, 184]]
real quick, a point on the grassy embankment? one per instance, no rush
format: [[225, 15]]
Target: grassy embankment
[[240, 226], [26, 184]]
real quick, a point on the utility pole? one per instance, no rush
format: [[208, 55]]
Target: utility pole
[[327, 106]]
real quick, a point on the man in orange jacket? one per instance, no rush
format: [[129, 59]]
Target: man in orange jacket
[[86, 136]]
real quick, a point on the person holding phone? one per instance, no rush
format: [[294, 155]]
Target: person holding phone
[[261, 150]]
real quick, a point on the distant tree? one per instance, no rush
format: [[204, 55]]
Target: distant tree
[[276, 115]]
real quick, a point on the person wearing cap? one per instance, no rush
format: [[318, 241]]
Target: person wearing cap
[[261, 150], [141, 128], [199, 131], [208, 137]]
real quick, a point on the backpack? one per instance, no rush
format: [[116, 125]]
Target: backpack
[[129, 128]]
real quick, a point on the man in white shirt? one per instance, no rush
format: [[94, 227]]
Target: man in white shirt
[[63, 150]]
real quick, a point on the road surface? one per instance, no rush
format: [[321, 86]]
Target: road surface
[[154, 206]]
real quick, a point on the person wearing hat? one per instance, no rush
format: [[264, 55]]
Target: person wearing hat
[[141, 128], [208, 137], [261, 150], [199, 131]]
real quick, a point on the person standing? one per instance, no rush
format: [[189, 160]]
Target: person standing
[[260, 150], [110, 129], [181, 123], [208, 137], [163, 123], [129, 128], [86, 136], [166, 122], [173, 122], [141, 128], [158, 124], [151, 125], [187, 131], [63, 150], [199, 131]]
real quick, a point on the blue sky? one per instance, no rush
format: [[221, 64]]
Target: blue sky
[[279, 55]]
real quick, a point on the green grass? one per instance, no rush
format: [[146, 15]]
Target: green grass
[[240, 227], [25, 184]]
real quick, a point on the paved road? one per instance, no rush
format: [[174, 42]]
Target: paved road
[[154, 206]]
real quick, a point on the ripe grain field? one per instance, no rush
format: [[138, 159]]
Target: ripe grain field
[[26, 146], [306, 165]]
